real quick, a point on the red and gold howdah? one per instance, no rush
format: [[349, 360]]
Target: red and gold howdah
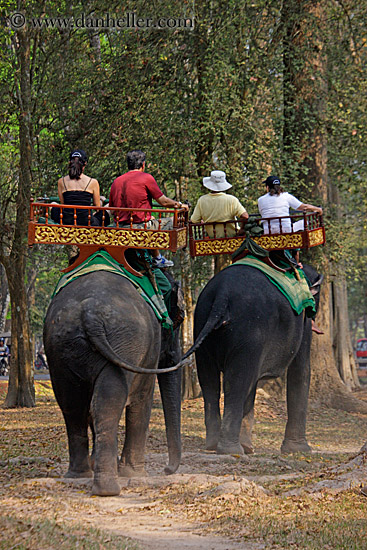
[[115, 239], [206, 243], [203, 237]]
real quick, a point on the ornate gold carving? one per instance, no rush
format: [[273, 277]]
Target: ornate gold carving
[[228, 246], [217, 246], [55, 234], [181, 238], [280, 242], [316, 237]]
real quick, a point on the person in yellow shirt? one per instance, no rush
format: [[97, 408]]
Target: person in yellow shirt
[[217, 206]]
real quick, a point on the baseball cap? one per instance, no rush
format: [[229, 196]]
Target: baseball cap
[[79, 153], [272, 180]]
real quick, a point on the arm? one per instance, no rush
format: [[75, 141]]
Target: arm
[[310, 208], [59, 191], [241, 214], [96, 194], [166, 201], [243, 219]]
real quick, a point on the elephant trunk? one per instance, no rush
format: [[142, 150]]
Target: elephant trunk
[[170, 390]]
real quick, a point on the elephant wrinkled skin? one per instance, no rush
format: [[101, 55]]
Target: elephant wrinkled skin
[[88, 321], [247, 329]]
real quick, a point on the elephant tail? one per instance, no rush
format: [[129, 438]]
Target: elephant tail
[[94, 328], [218, 316]]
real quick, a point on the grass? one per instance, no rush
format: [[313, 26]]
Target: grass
[[46, 513], [30, 534], [328, 522]]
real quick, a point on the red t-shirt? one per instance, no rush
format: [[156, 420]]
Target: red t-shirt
[[134, 189]]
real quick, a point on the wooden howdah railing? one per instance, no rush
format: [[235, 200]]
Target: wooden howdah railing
[[303, 231], [114, 237], [284, 233]]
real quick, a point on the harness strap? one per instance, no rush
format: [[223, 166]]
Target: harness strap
[[87, 184]]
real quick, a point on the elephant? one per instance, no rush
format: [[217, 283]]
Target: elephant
[[245, 328], [101, 339]]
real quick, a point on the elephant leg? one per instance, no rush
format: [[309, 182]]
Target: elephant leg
[[298, 383], [239, 394], [170, 389], [209, 378], [246, 432], [74, 402], [138, 411], [108, 400]]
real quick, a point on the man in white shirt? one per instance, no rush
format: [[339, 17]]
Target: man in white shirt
[[276, 203]]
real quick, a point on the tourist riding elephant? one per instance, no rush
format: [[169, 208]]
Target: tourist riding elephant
[[101, 339], [246, 329]]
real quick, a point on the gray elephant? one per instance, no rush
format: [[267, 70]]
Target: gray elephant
[[101, 339], [246, 329]]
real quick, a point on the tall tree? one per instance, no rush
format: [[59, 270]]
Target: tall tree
[[21, 388], [305, 150]]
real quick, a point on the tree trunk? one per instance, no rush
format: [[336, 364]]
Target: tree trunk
[[4, 298], [305, 152], [327, 387], [190, 383], [21, 385], [342, 344], [343, 350]]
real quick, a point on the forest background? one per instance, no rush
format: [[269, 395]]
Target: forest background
[[248, 87]]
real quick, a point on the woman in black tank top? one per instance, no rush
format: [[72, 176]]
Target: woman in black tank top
[[77, 188]]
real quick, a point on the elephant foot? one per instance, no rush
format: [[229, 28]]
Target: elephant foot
[[105, 487], [248, 450], [128, 471], [171, 469], [230, 449], [290, 446], [73, 474], [211, 444]]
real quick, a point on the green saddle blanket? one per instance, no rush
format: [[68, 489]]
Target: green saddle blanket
[[297, 292], [102, 261]]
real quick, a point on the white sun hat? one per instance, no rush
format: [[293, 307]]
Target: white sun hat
[[217, 181]]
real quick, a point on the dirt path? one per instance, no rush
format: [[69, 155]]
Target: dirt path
[[142, 514], [214, 502], [139, 512]]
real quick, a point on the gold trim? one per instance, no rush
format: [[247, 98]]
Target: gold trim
[[49, 234], [316, 237], [216, 246], [228, 246], [291, 240], [181, 238]]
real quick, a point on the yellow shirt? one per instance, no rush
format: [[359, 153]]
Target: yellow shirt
[[218, 207]]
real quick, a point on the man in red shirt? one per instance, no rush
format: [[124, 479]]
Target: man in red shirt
[[137, 189]]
